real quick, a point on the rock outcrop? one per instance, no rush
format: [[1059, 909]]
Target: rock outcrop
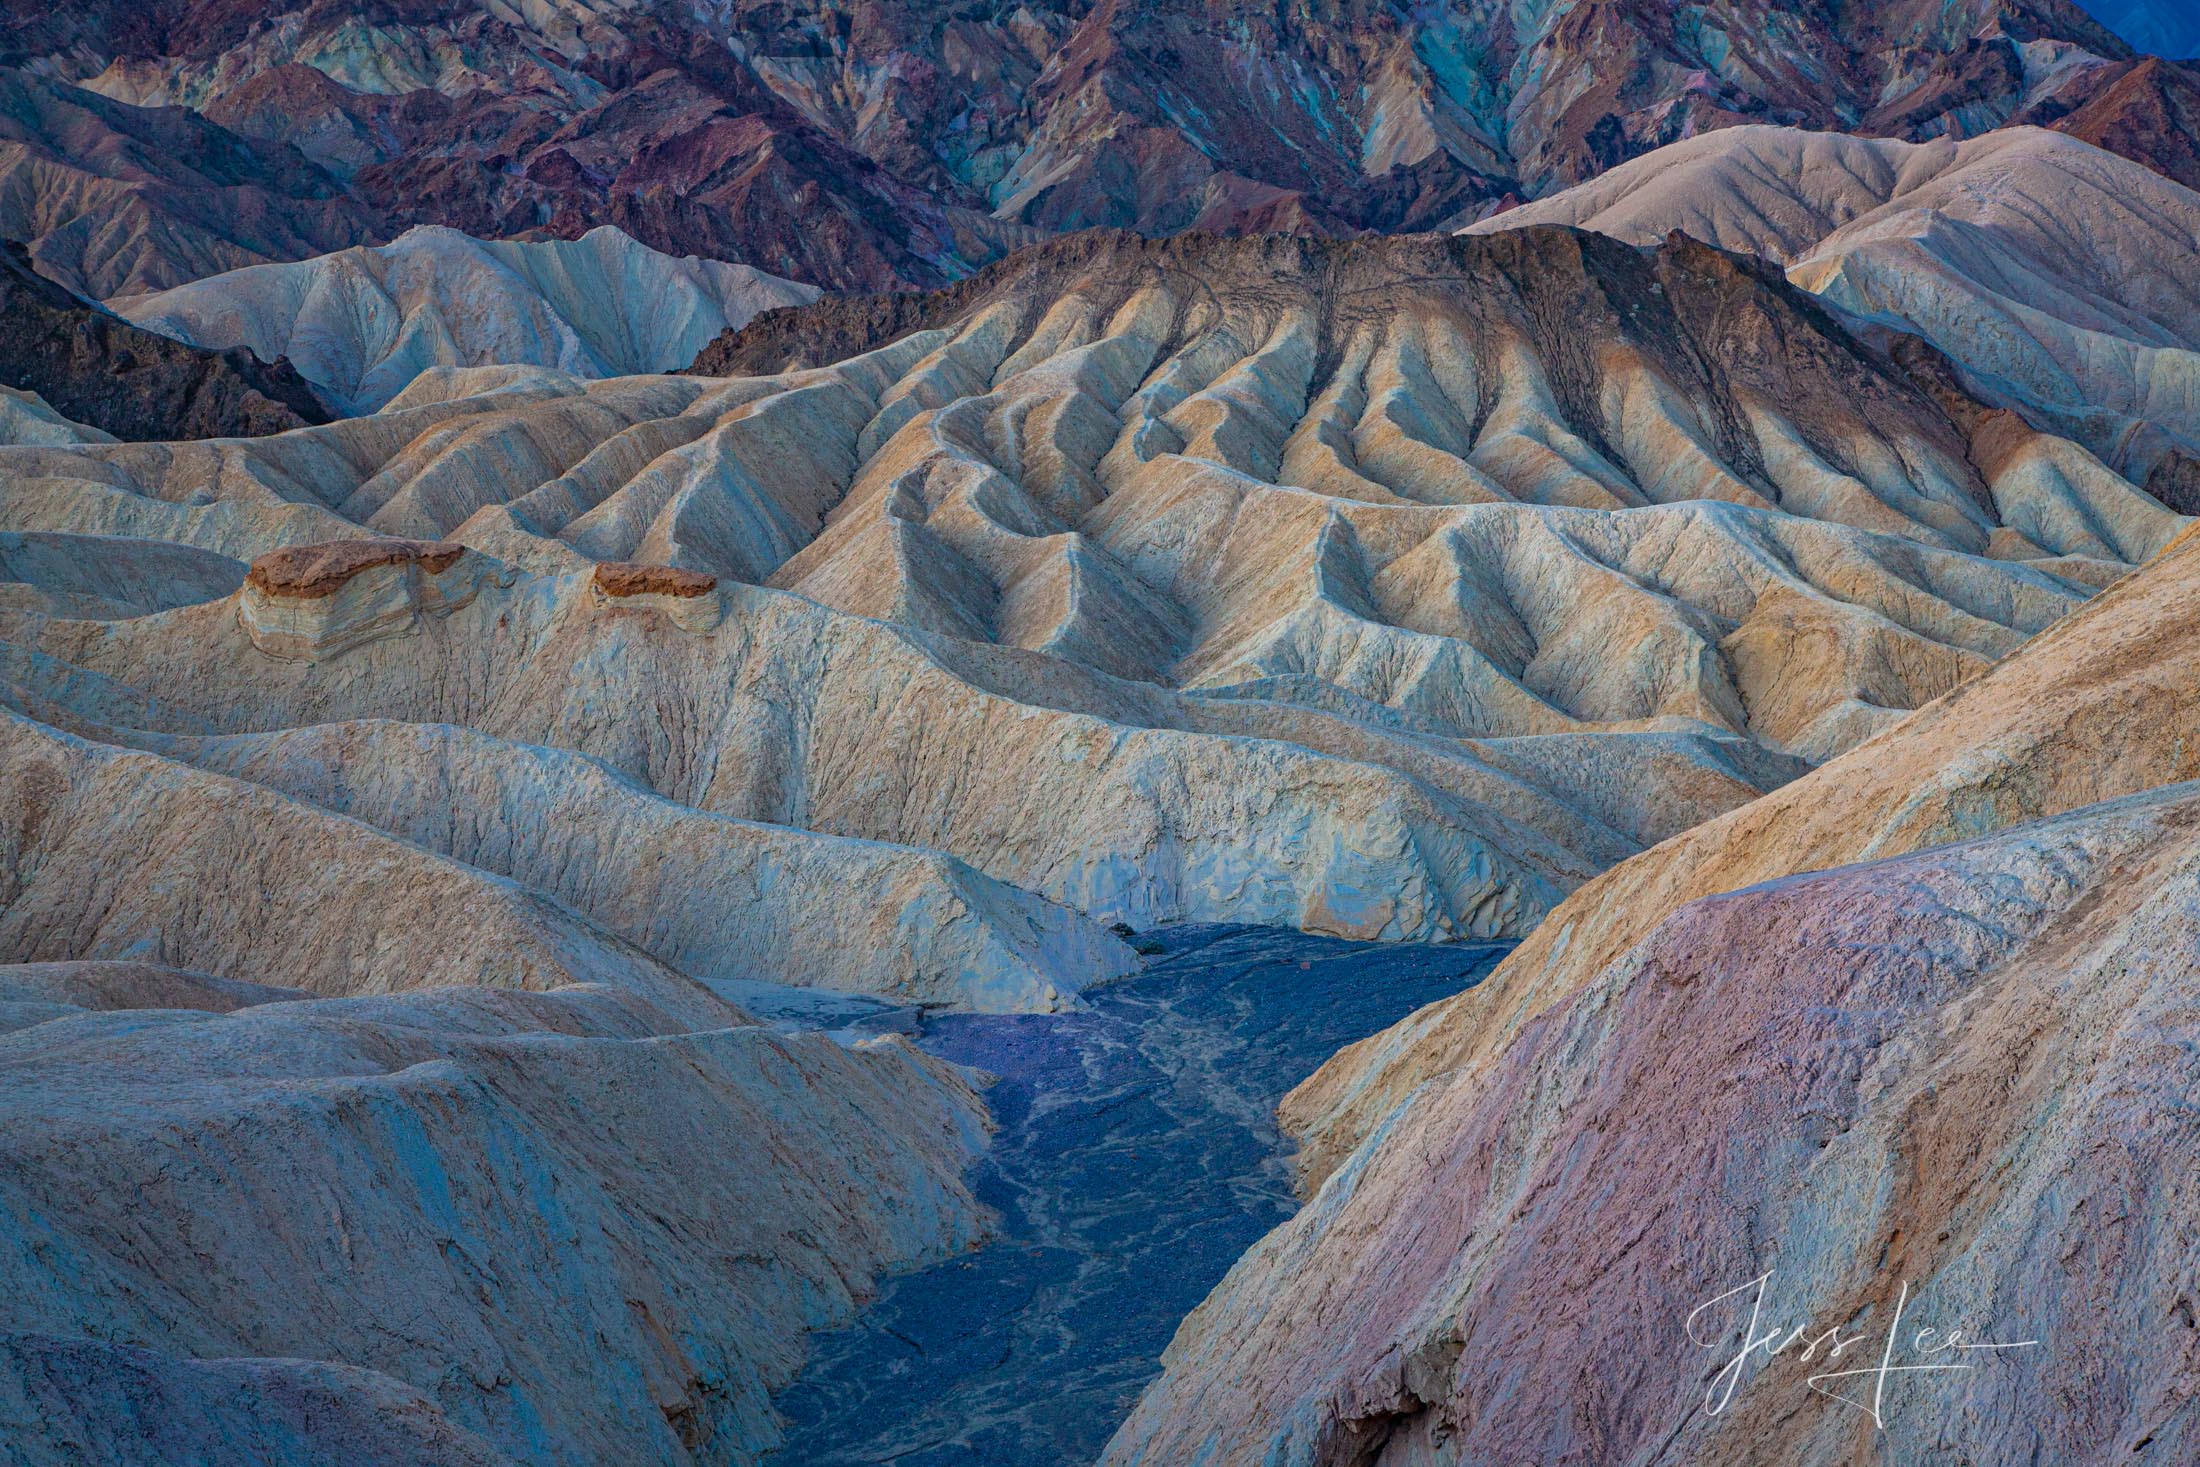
[[363, 323], [321, 572], [75, 373], [315, 601], [2054, 273], [624, 578], [1939, 1081]]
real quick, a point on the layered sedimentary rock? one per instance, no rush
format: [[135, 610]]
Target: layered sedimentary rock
[[1124, 803], [661, 896], [2057, 727], [220, 885], [75, 373], [397, 813], [483, 1166], [1942, 1081], [868, 145], [473, 757], [2054, 273], [1330, 586], [361, 324]]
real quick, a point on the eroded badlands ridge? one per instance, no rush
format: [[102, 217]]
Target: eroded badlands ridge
[[1335, 586], [2055, 274], [1960, 1068]]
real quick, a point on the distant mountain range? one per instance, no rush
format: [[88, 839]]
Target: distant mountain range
[[866, 145]]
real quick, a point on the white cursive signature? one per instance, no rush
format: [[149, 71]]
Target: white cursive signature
[[1933, 1349]]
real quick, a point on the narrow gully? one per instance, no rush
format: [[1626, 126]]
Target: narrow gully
[[1137, 1158]]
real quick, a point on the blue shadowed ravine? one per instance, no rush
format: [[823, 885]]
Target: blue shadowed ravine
[[1137, 1157]]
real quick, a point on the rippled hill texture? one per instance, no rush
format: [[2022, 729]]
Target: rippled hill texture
[[1911, 1040], [474, 873], [852, 144], [1334, 586]]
